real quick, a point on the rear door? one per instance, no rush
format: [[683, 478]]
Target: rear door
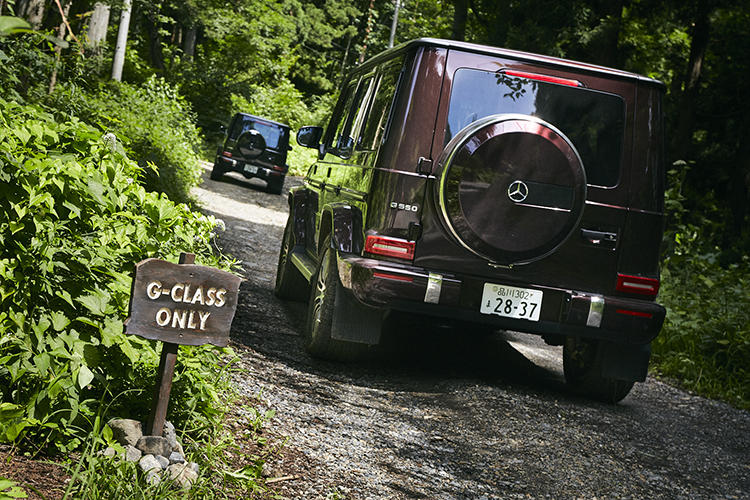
[[593, 112]]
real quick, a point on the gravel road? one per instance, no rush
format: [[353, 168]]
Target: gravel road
[[445, 415]]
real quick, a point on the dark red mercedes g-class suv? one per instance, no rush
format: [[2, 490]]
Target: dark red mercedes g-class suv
[[491, 186]]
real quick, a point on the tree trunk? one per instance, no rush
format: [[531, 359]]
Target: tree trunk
[[61, 32], [34, 13], [368, 28], [460, 14], [698, 45], [98, 26], [154, 41], [189, 36], [606, 48], [122, 40]]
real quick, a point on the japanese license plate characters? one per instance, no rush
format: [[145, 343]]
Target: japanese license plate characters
[[511, 302]]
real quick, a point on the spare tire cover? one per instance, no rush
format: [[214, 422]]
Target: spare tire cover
[[511, 188], [251, 144]]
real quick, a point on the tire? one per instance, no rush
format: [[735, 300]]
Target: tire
[[274, 186], [582, 364], [290, 284], [216, 172], [325, 287]]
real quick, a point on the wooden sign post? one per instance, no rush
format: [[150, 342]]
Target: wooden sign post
[[179, 304]]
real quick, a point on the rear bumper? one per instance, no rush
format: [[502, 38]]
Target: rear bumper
[[389, 285], [248, 169]]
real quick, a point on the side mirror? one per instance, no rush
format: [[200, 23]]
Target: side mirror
[[309, 137]]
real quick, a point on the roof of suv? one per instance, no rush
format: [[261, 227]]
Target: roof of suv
[[511, 54], [266, 120]]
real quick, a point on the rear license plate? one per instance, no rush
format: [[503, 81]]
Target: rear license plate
[[511, 302], [251, 169]]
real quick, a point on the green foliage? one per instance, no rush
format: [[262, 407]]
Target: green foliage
[[73, 222], [9, 490], [705, 341], [153, 122]]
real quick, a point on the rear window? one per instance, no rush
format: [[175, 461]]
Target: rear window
[[276, 137], [594, 121]]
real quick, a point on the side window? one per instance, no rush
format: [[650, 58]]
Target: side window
[[384, 91], [339, 126], [353, 117]]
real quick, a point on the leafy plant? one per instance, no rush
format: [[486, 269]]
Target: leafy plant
[[705, 342], [73, 222], [153, 122], [9, 490]]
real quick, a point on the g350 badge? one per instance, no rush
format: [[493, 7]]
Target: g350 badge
[[404, 206]]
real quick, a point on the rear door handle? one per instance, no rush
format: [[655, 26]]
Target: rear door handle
[[603, 239]]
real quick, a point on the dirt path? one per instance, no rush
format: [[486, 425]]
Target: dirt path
[[450, 416]]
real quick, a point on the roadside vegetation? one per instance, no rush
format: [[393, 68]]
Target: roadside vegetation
[[95, 175]]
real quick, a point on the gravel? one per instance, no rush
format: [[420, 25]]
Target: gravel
[[445, 414]]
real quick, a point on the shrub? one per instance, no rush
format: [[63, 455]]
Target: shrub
[[73, 222], [154, 123], [705, 341]]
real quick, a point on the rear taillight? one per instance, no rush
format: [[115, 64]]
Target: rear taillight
[[227, 154], [278, 168], [637, 284], [543, 78], [390, 247]]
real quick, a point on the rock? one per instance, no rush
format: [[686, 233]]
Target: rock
[[153, 477], [182, 474], [154, 445], [108, 452], [176, 458], [126, 431], [180, 450], [171, 435], [149, 462], [163, 461], [195, 467], [132, 454]]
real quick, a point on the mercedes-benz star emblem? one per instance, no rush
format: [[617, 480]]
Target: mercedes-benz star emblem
[[518, 191]]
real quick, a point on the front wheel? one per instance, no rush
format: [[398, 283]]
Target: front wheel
[[582, 364]]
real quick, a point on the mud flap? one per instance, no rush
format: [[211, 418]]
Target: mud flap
[[625, 361], [354, 322]]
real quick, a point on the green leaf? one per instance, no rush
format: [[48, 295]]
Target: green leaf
[[42, 362], [59, 320], [84, 376], [95, 302], [10, 25]]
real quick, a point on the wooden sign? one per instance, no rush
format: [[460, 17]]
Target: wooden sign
[[179, 304], [182, 303]]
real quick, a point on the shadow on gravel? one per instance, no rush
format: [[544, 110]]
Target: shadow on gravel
[[415, 354], [236, 179]]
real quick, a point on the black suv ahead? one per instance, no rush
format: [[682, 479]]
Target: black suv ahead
[[495, 187], [254, 147]]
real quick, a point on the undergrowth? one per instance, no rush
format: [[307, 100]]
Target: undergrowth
[[73, 222]]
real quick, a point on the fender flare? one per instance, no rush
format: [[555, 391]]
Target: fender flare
[[345, 224], [298, 205]]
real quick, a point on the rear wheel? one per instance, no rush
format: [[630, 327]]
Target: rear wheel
[[290, 284], [216, 172], [321, 312], [582, 363]]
